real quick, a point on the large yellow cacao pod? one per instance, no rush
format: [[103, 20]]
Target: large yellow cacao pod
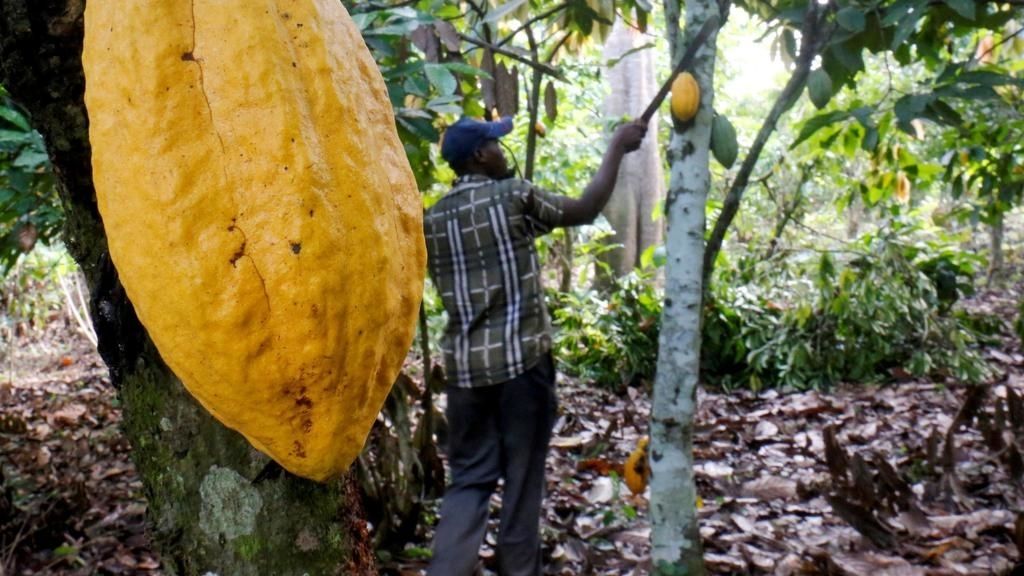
[[685, 97], [260, 211]]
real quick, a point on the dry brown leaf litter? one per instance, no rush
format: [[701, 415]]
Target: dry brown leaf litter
[[771, 503]]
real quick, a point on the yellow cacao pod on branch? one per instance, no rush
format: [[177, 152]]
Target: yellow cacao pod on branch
[[685, 97], [260, 211]]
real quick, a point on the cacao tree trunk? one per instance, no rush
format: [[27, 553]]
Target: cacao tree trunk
[[675, 538], [641, 184], [215, 504]]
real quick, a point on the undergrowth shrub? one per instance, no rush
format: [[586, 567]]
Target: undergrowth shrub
[[880, 309], [609, 337]]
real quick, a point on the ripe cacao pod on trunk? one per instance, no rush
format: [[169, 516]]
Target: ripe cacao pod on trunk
[[260, 211], [685, 97]]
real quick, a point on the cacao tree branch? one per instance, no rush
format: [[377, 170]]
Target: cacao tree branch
[[814, 37], [789, 210], [974, 59], [531, 22], [558, 46], [546, 69], [534, 102]]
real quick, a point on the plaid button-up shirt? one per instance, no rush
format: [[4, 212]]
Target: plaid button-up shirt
[[480, 241]]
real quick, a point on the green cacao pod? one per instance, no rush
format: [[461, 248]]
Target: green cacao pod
[[723, 141], [819, 88]]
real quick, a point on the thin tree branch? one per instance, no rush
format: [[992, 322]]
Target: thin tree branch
[[558, 46], [534, 104], [789, 211], [540, 66], [530, 22], [978, 57], [814, 36]]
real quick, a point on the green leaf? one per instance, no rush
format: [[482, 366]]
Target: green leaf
[[988, 78], [849, 55], [819, 87], [723, 141], [400, 29], [503, 10], [904, 29], [612, 62], [943, 113], [13, 136], [65, 550], [870, 141], [874, 195], [31, 159], [817, 123], [965, 8], [910, 107], [448, 12], [421, 128], [851, 19], [445, 108], [897, 11], [789, 51], [441, 78], [14, 117], [417, 85], [466, 69]]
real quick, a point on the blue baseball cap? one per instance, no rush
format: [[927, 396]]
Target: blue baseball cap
[[464, 137]]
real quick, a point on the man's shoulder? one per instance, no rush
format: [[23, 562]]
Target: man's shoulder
[[471, 191]]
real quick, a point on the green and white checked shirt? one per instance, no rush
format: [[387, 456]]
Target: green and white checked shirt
[[480, 241]]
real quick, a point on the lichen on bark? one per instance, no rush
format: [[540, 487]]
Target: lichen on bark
[[230, 504]]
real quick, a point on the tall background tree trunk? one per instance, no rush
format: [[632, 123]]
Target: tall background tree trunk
[[641, 182], [215, 504], [675, 537]]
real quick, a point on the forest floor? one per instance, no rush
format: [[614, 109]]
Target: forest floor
[[912, 478]]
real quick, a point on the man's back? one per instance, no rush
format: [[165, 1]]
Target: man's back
[[484, 264]]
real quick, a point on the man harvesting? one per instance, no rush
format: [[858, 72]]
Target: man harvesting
[[497, 346]]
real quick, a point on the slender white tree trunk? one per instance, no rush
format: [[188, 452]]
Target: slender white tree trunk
[[675, 538], [641, 183]]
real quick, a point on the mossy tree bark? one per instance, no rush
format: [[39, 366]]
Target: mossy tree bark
[[216, 504]]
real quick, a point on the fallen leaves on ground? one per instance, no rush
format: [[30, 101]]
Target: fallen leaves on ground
[[769, 499], [76, 504]]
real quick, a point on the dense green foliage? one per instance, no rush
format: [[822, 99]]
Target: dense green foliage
[[29, 207], [609, 336], [879, 311]]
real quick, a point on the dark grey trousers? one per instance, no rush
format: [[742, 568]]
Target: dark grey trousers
[[494, 432]]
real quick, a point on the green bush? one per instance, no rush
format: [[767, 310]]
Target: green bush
[[878, 312], [30, 210], [609, 337]]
